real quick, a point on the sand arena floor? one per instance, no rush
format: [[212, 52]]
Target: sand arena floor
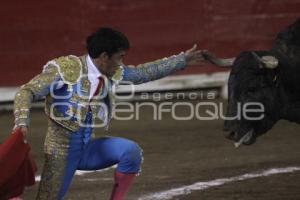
[[178, 154]]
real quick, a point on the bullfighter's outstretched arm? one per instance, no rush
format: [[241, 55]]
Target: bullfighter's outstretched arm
[[160, 68], [153, 70]]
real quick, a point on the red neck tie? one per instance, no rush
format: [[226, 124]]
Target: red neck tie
[[100, 84]]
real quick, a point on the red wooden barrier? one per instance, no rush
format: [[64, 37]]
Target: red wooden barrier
[[33, 32]]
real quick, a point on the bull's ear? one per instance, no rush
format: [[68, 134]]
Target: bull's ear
[[269, 62]]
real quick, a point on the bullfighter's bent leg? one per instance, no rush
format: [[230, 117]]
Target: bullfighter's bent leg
[[107, 151]]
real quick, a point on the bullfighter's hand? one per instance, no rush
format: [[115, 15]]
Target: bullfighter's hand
[[194, 56], [24, 130]]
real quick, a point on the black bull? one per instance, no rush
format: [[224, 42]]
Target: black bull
[[268, 82]]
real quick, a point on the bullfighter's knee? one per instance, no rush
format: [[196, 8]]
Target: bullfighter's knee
[[131, 159]]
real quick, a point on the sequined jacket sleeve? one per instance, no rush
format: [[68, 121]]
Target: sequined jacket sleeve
[[35, 89], [153, 70]]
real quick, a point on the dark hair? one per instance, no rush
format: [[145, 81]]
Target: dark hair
[[106, 40]]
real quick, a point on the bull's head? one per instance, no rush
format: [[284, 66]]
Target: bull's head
[[253, 97], [260, 78], [253, 90]]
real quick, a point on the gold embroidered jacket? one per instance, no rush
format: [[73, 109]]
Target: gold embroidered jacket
[[71, 72]]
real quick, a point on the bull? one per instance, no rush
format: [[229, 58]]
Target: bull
[[270, 78]]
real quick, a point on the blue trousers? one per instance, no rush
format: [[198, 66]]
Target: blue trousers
[[99, 154]]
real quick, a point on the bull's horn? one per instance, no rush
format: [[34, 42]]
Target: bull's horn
[[221, 62], [269, 62]]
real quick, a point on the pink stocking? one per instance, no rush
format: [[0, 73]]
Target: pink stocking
[[121, 186]]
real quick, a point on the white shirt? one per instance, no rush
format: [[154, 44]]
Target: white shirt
[[93, 75]]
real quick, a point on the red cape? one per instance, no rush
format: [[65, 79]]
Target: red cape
[[17, 166]]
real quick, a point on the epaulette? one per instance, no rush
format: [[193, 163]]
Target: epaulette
[[118, 76], [69, 68]]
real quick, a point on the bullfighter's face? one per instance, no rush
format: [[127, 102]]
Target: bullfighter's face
[[114, 62], [109, 64], [253, 104]]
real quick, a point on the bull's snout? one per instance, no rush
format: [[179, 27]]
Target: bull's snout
[[230, 135], [229, 130]]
